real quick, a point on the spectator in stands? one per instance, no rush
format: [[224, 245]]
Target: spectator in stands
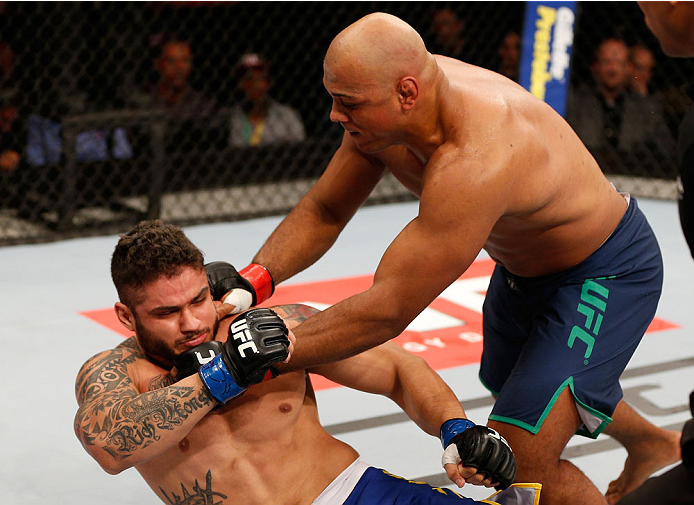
[[10, 136], [190, 129], [172, 90], [509, 56], [57, 95], [610, 118], [10, 120], [44, 143], [642, 64], [259, 119], [449, 39]]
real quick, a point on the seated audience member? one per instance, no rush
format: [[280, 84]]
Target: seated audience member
[[11, 131], [449, 38], [56, 96], [11, 136], [45, 143], [609, 117], [172, 90], [260, 119], [509, 56], [188, 111], [642, 64]]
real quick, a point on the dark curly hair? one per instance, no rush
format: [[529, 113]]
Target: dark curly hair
[[150, 250]]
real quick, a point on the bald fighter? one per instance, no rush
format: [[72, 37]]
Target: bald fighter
[[578, 274], [184, 401]]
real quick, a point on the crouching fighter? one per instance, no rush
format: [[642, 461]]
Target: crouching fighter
[[187, 400]]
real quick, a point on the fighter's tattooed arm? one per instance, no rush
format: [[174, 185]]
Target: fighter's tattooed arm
[[295, 312], [121, 427]]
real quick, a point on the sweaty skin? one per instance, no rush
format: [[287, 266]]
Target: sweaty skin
[[239, 445], [133, 413], [494, 168]]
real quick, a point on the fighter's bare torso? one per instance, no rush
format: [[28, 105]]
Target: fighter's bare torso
[[557, 208], [266, 447]]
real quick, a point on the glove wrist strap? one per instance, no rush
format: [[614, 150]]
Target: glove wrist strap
[[219, 382], [260, 279], [453, 427]]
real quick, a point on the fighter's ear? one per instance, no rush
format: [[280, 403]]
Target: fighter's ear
[[408, 90], [125, 316]]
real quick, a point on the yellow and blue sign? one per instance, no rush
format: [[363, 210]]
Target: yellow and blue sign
[[548, 38]]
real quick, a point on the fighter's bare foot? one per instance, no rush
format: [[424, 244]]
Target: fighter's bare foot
[[644, 461]]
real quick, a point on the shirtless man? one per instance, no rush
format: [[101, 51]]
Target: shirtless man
[[265, 445], [578, 274]]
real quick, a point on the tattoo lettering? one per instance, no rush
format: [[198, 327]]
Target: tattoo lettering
[[160, 381], [198, 496]]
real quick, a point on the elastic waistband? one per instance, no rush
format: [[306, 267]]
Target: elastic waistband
[[621, 237], [339, 489]]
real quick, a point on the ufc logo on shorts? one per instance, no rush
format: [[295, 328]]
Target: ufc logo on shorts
[[592, 306], [239, 330]]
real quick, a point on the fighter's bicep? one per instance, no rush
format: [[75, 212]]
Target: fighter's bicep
[[347, 181], [436, 247], [373, 371]]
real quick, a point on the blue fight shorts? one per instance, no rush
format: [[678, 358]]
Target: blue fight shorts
[[576, 328], [378, 487]]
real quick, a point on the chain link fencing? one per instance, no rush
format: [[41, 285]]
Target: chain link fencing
[[111, 112]]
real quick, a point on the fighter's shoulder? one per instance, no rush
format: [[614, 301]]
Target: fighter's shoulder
[[112, 364], [128, 347]]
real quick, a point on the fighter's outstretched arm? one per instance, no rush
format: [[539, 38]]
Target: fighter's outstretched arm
[[312, 227], [120, 427], [458, 209], [410, 382]]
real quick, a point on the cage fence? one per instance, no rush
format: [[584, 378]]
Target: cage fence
[[111, 112]]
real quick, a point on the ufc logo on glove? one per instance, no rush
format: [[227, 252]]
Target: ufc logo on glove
[[239, 330]]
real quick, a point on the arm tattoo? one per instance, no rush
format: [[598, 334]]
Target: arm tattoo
[[297, 312], [112, 412], [160, 381], [198, 495]]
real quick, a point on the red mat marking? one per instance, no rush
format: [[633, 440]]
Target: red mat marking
[[455, 345]]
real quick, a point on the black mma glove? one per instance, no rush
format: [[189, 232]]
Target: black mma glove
[[257, 339], [189, 362], [251, 286], [480, 447]]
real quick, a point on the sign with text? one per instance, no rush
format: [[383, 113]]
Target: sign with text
[[548, 38]]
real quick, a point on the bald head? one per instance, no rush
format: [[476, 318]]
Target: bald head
[[378, 48]]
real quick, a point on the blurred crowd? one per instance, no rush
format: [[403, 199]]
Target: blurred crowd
[[255, 99]]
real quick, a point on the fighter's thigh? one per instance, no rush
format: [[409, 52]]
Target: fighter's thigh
[[535, 452]]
